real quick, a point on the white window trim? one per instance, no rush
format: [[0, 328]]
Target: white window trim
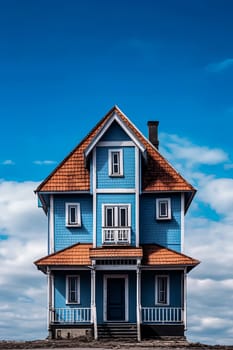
[[78, 215], [126, 278], [67, 289], [110, 159], [158, 216], [156, 290]]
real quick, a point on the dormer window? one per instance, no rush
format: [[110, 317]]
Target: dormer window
[[163, 208], [115, 162], [73, 216]]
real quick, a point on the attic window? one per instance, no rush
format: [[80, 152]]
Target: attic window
[[115, 162], [163, 208], [73, 216]]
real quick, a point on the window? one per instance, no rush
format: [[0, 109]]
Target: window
[[162, 290], [73, 216], [115, 162], [116, 222], [72, 289], [116, 215], [163, 208]]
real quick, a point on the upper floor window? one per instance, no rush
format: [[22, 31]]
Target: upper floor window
[[163, 208], [162, 290], [116, 222], [73, 216], [72, 289], [115, 162]]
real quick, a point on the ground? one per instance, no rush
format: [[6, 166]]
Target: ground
[[84, 344]]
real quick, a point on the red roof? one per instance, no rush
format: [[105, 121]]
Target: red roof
[[80, 254], [127, 252], [72, 174], [156, 255]]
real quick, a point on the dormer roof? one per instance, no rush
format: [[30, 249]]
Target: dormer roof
[[158, 175]]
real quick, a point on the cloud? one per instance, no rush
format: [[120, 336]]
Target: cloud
[[23, 288], [8, 162], [220, 66], [208, 237], [44, 162], [181, 149]]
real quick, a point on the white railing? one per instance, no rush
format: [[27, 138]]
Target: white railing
[[162, 314], [71, 315], [116, 235]]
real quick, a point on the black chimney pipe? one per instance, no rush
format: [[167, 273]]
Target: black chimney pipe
[[153, 133]]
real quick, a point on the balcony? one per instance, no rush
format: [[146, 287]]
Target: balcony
[[116, 235]]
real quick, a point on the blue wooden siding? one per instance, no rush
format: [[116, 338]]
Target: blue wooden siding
[[148, 288], [164, 232], [114, 198], [102, 174], [115, 133], [66, 236], [60, 289]]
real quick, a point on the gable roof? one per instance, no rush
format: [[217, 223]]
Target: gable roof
[[157, 175], [81, 254]]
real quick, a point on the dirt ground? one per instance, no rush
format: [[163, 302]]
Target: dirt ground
[[84, 344]]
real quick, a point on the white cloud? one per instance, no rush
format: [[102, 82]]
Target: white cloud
[[8, 162], [220, 66], [181, 149], [209, 238], [44, 162], [23, 288]]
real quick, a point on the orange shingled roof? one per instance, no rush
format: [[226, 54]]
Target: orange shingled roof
[[154, 254], [72, 175], [77, 254], [126, 252], [80, 254]]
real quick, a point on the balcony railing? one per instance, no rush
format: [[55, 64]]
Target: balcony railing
[[71, 315], [116, 235], [162, 314]]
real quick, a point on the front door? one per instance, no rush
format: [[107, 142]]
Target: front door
[[116, 299]]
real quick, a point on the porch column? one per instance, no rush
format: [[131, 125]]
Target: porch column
[[138, 298], [50, 301], [93, 302], [185, 298]]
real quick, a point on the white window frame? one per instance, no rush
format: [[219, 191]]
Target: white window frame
[[157, 302], [116, 208], [111, 165], [77, 289], [168, 215], [77, 222]]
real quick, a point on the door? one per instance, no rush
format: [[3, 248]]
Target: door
[[116, 299]]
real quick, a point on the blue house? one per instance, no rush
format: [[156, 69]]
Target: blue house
[[115, 262]]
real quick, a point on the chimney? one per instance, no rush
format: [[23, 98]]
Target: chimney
[[153, 133]]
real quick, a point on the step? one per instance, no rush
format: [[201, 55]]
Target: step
[[118, 330]]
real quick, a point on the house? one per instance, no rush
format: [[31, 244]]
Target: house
[[115, 262]]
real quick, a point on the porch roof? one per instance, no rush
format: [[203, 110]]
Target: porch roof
[[75, 255], [125, 252], [156, 255], [153, 255]]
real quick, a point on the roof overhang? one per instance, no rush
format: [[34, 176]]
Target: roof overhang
[[106, 126]]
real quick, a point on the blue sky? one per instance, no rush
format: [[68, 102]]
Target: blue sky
[[63, 65]]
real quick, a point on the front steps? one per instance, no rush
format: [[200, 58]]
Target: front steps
[[117, 330]]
